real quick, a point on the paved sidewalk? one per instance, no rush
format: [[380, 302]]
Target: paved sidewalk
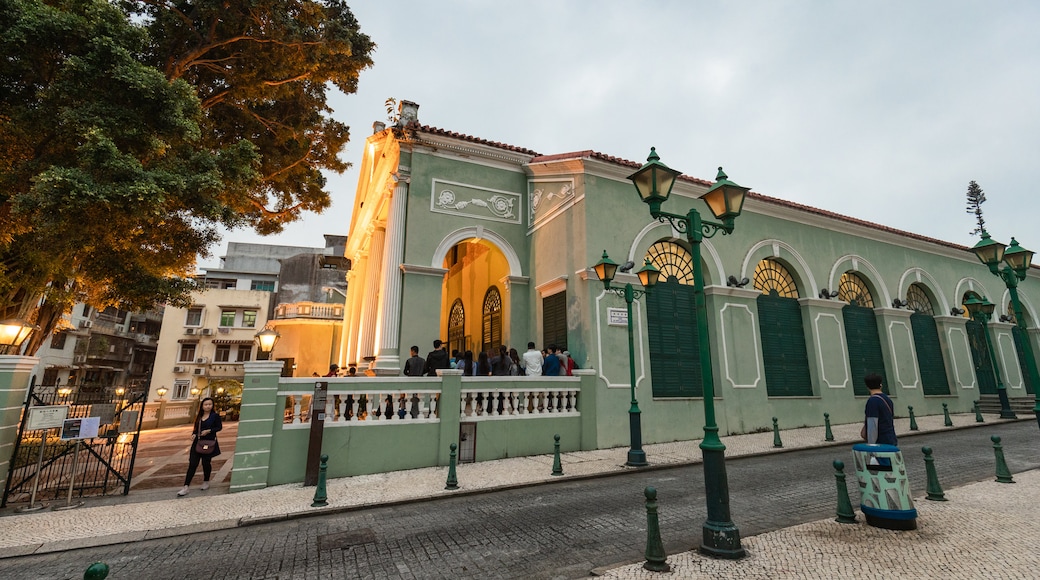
[[985, 530], [43, 532]]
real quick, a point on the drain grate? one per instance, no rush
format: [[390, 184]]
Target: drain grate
[[345, 540]]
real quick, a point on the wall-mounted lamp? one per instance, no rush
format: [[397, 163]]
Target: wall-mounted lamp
[[732, 282], [828, 294]]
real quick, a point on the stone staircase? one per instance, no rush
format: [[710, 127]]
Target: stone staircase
[[1022, 406]]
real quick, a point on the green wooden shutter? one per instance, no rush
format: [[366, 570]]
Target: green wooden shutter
[[674, 347], [783, 347], [864, 347], [554, 320], [929, 355], [1020, 346], [980, 358]]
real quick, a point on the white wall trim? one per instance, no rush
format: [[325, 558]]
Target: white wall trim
[[481, 233]]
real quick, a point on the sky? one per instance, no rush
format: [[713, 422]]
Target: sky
[[880, 110]]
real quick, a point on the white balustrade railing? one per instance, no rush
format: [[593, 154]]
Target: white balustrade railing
[[365, 407], [517, 403]]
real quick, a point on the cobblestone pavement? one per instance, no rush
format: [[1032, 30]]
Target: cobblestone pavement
[[985, 530], [550, 531]]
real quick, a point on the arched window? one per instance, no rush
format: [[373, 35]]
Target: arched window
[[492, 330], [862, 341], [854, 290], [772, 276], [672, 260], [917, 300], [926, 341], [457, 326], [784, 354]]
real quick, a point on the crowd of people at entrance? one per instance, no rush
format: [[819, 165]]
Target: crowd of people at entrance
[[505, 362]]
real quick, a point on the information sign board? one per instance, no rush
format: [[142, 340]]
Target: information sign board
[[46, 417]]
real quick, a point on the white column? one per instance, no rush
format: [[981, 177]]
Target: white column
[[370, 300], [349, 334], [388, 325]]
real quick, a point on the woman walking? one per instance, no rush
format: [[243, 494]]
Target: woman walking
[[204, 445]]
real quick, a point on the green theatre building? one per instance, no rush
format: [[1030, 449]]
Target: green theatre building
[[482, 244]]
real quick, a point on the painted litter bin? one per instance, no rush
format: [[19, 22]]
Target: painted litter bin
[[884, 489]]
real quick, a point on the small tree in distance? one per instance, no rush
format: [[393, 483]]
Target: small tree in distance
[[976, 197]]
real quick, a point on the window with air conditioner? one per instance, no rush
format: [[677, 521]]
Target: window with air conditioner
[[187, 353], [193, 317]]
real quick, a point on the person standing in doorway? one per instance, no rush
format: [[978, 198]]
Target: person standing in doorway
[[880, 418], [207, 424], [437, 359], [533, 361], [415, 365]]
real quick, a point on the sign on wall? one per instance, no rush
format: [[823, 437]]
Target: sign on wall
[[617, 316]]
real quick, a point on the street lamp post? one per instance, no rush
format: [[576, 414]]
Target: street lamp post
[[13, 333], [648, 276], [161, 391], [265, 341], [981, 311], [725, 199], [1016, 261]]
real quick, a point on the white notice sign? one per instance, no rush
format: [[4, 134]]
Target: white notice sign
[[617, 316], [46, 417], [81, 428]]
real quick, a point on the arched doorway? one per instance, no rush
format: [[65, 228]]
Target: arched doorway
[[671, 317], [784, 354], [475, 268], [861, 333], [979, 350], [926, 341]]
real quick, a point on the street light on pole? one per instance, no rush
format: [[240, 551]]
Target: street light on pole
[[981, 310], [648, 276], [725, 199], [13, 333], [1016, 261]]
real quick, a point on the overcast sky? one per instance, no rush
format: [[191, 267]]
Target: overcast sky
[[881, 110]]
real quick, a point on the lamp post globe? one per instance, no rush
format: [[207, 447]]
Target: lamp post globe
[[654, 182], [13, 333], [1018, 259], [266, 339], [989, 251]]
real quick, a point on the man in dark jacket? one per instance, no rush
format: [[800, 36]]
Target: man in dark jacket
[[414, 366], [437, 359], [551, 364]]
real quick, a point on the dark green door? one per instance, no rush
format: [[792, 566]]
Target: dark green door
[[929, 355], [980, 357], [674, 354], [783, 346], [1020, 346], [864, 346]]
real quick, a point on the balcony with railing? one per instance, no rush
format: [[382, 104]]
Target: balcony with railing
[[313, 310]]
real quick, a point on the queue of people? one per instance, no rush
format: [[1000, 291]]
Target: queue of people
[[505, 362]]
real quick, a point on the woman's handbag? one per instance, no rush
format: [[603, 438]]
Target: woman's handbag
[[205, 446]]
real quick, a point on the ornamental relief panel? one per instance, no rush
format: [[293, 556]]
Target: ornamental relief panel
[[476, 202], [546, 197]]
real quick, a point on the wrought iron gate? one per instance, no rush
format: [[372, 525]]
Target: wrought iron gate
[[104, 464]]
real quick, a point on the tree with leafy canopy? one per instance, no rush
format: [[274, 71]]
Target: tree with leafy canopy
[[130, 133], [976, 197]]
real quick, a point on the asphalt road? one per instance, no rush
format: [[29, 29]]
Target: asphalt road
[[561, 530]]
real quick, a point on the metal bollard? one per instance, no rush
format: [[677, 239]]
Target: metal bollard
[[453, 482], [1003, 473], [845, 513], [96, 571], [656, 561], [321, 496], [828, 435], [978, 413], [776, 435], [913, 419], [946, 416], [935, 491], [557, 466]]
